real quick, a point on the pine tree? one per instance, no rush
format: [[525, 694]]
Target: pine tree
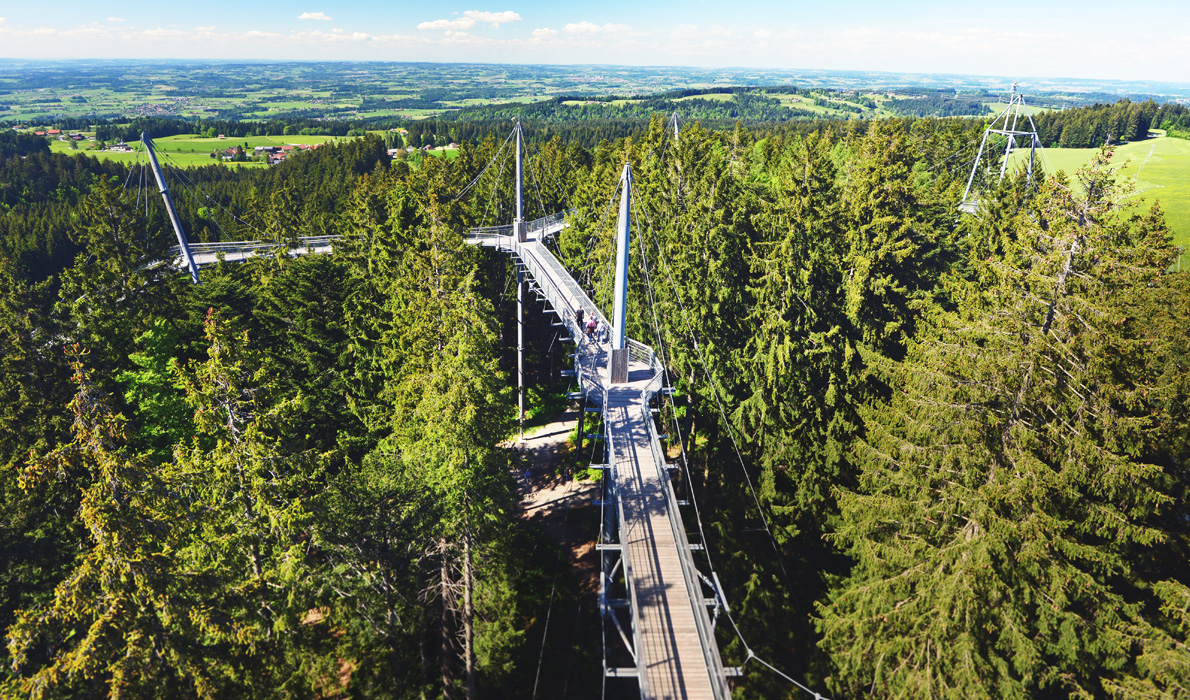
[[119, 624], [250, 530], [1010, 483], [122, 280], [801, 412]]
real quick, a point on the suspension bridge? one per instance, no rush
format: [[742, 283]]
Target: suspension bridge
[[659, 611], [653, 600], [650, 591]]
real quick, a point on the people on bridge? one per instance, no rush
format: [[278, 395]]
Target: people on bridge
[[600, 332], [578, 317], [591, 328]]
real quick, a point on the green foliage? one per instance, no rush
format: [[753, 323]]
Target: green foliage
[[102, 629], [1011, 485], [162, 417], [968, 440]]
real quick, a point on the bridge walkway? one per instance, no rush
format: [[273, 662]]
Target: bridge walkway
[[672, 636]]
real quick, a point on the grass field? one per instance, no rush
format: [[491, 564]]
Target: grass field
[[807, 103], [713, 96], [996, 108], [189, 150], [1159, 167]]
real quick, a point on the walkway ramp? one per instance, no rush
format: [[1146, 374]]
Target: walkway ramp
[[205, 254], [670, 635]]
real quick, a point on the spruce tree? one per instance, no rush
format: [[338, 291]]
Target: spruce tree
[[1016, 473]]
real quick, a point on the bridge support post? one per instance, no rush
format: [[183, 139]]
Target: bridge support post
[[520, 351], [617, 366], [522, 233], [183, 244], [582, 429], [610, 515]]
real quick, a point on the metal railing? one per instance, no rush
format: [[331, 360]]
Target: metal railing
[[625, 557], [550, 221], [239, 249], [562, 293], [545, 222], [489, 231], [702, 621]]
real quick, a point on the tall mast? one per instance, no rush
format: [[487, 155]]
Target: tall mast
[[183, 244], [618, 362], [519, 225], [619, 310], [519, 222], [1010, 130]]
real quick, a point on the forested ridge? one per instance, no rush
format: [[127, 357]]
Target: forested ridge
[[970, 435]]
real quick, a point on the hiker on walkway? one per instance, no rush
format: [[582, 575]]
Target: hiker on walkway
[[578, 317], [590, 328], [600, 333]]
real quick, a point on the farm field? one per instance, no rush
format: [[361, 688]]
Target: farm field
[[714, 96], [997, 108], [214, 90], [192, 150], [1159, 167]]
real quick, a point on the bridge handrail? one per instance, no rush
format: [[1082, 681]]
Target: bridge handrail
[[489, 231], [626, 559], [303, 242], [545, 258], [547, 221], [710, 649], [535, 259]]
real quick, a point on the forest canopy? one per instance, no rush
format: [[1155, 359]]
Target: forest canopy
[[969, 434]]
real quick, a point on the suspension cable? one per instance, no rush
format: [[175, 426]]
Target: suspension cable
[[467, 189], [176, 168], [706, 549]]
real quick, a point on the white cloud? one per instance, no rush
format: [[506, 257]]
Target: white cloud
[[763, 33], [460, 23], [588, 28], [315, 15], [493, 18], [115, 19], [399, 39], [205, 29], [160, 33], [462, 38], [472, 17], [544, 33]]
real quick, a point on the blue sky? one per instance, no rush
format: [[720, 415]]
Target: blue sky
[[1092, 39]]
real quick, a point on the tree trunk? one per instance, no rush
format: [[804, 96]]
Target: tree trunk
[[468, 617], [447, 679], [422, 629]]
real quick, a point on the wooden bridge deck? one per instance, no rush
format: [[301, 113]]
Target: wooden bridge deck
[[672, 658]]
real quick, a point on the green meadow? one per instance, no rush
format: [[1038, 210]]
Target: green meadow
[[1158, 168], [187, 150]]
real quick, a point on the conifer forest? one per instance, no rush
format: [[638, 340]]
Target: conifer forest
[[968, 434]]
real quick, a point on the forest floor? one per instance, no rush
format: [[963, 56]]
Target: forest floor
[[561, 653]]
